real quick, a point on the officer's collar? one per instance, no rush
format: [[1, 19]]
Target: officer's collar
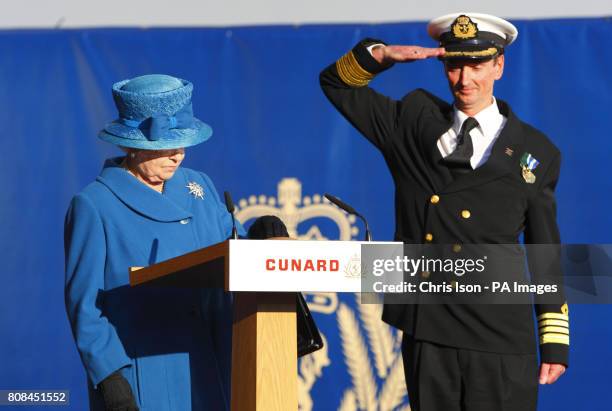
[[489, 119], [142, 199]]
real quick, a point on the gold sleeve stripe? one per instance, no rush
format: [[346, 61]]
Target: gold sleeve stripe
[[347, 75], [360, 71], [559, 330], [553, 316], [351, 72], [554, 338], [559, 323]]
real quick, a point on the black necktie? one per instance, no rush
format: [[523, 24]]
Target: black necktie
[[459, 160]]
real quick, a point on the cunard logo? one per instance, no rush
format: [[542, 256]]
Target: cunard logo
[[300, 264], [353, 268]]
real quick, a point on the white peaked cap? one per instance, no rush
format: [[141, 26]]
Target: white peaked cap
[[485, 22]]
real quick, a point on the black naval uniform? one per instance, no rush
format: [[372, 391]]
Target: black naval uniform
[[477, 355]]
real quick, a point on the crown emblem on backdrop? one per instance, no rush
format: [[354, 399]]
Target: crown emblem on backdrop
[[293, 209]]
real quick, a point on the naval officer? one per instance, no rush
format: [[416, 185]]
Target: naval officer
[[469, 172]]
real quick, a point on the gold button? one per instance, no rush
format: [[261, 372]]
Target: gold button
[[425, 274], [466, 214], [434, 199], [429, 237], [456, 248]]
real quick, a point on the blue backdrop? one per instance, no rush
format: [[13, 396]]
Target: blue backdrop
[[258, 88]]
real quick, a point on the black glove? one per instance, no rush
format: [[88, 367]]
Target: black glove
[[117, 393], [267, 226]]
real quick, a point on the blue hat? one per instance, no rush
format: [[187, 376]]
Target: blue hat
[[154, 114]]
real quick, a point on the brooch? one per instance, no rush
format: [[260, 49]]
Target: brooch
[[528, 164], [196, 190]]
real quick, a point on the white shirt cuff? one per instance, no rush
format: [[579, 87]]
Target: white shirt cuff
[[370, 48]]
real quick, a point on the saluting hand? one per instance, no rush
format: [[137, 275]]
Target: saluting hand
[[405, 54]]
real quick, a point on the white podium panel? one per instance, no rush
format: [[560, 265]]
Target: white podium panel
[[294, 266]]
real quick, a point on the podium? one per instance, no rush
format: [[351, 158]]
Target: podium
[[264, 276]]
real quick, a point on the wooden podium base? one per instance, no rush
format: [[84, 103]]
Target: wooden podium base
[[264, 344], [264, 352]]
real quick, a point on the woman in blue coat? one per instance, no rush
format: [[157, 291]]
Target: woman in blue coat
[[148, 348]]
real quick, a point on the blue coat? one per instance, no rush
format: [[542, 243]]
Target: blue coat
[[172, 345]]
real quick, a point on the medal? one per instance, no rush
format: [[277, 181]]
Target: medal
[[529, 177], [528, 164]]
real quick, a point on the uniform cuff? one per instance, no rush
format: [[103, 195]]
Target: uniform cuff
[[364, 57], [357, 67], [100, 367], [554, 353]]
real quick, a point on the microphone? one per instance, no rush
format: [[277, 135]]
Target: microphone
[[229, 204], [341, 204]]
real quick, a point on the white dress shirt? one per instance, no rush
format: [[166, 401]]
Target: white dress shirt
[[490, 124]]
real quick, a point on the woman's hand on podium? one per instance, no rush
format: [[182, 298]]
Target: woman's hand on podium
[[268, 227]]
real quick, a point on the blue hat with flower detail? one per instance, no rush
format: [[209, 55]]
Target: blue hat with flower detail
[[155, 113]]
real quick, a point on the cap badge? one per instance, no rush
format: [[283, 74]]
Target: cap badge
[[464, 28], [196, 190], [528, 164]]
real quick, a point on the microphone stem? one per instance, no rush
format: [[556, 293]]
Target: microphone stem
[[234, 230]]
